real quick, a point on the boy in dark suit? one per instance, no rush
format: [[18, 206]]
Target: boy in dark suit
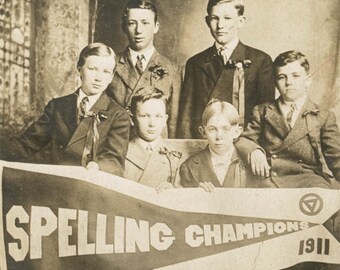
[[149, 160], [229, 71], [140, 65], [86, 128], [218, 164], [290, 142]]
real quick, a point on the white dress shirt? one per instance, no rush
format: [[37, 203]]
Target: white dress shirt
[[285, 108], [229, 48], [221, 163], [92, 99], [147, 56]]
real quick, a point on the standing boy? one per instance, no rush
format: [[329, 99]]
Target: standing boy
[[149, 160], [291, 141], [140, 65], [86, 128], [218, 164], [229, 70]]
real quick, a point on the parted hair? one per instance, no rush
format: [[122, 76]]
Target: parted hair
[[217, 107], [142, 4], [289, 57], [238, 4], [144, 94], [98, 49]]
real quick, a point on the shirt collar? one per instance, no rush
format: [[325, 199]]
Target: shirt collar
[[154, 144], [299, 102], [147, 54], [92, 99], [227, 157], [230, 46]]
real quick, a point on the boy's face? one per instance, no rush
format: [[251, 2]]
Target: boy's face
[[96, 74], [224, 22], [292, 81], [140, 28], [150, 119], [220, 134]]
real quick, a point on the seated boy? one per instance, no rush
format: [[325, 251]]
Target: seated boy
[[149, 161], [218, 164], [85, 128], [289, 142]]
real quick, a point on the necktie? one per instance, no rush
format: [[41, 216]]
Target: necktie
[[139, 64], [82, 108], [225, 53], [293, 108], [149, 148]]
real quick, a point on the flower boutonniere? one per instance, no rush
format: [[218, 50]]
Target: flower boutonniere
[[102, 116], [239, 63], [158, 72], [99, 117]]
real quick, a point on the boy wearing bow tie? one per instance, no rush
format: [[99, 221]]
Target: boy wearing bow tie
[[149, 160], [85, 128], [291, 142], [218, 164], [141, 65], [229, 70]]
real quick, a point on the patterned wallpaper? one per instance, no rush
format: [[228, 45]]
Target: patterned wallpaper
[[61, 32]]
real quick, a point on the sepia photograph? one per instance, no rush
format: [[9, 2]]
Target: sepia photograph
[[170, 134]]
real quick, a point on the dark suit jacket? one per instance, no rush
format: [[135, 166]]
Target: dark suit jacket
[[58, 126], [205, 70], [198, 168], [126, 82], [298, 156]]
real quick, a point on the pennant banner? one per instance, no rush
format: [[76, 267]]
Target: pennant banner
[[56, 217]]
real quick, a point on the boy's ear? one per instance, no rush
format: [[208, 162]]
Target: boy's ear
[[241, 19], [202, 132], [238, 132]]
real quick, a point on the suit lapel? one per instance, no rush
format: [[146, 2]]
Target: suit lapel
[[300, 128], [200, 171], [213, 65], [83, 127], [275, 119], [137, 155], [126, 71], [68, 111], [156, 163]]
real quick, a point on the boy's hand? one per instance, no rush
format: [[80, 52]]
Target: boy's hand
[[163, 185], [92, 166], [259, 164], [207, 186]]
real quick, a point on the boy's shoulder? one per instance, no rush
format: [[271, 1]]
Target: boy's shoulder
[[197, 158]]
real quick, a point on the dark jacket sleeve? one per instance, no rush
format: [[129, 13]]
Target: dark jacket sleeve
[[32, 140], [330, 145], [111, 157], [265, 82], [176, 87], [186, 177], [186, 103], [250, 137]]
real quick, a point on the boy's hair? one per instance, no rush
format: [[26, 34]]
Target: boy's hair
[[289, 57], [145, 94], [98, 49], [143, 4], [216, 106], [239, 6]]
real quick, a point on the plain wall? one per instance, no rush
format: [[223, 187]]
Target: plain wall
[[273, 26]]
